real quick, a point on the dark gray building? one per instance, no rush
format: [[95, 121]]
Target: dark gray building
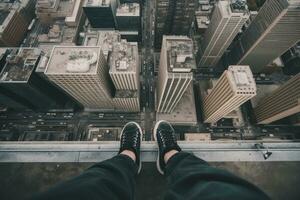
[[101, 13], [173, 18], [128, 17], [22, 84]]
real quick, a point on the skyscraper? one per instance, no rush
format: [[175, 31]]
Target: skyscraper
[[124, 72], [234, 87], [227, 20], [273, 31], [283, 102], [124, 66], [50, 10], [14, 21], [128, 17], [128, 20], [173, 18], [175, 71], [101, 13], [82, 72]]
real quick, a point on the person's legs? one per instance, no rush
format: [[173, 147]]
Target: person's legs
[[110, 179], [192, 178]]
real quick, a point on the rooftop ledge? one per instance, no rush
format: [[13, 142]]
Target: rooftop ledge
[[80, 151]]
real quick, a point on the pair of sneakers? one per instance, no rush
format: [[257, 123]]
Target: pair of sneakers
[[164, 135]]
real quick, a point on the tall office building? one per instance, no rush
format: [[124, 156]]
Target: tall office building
[[82, 72], [234, 87], [273, 31], [127, 100], [173, 18], [175, 71], [124, 72], [14, 21], [124, 66], [283, 102], [227, 20], [48, 11], [101, 13], [128, 17], [22, 83]]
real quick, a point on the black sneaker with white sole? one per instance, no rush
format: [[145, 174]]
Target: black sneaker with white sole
[[131, 139], [164, 134]]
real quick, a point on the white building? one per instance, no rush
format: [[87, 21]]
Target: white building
[[82, 72], [226, 22], [175, 71], [234, 87]]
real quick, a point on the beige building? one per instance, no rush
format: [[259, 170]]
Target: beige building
[[82, 72], [124, 66], [50, 10], [124, 72], [14, 21], [281, 103], [234, 87], [127, 100], [103, 38], [273, 31], [175, 71], [226, 22]]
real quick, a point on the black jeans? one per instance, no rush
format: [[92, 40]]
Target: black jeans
[[188, 178]]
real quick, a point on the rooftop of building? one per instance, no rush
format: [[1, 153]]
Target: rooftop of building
[[55, 6], [57, 33], [242, 78], [20, 64], [105, 39], [73, 60], [97, 3], [126, 94], [202, 21], [46, 4], [129, 9], [124, 57], [180, 54]]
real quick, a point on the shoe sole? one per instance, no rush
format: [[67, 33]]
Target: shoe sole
[[141, 138], [158, 152]]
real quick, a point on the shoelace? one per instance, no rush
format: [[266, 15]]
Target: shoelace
[[130, 140], [167, 137]]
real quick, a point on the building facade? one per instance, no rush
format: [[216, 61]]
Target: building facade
[[127, 100], [82, 72], [14, 21], [124, 66], [283, 102], [226, 22], [175, 71], [234, 87], [173, 18], [124, 72], [273, 31]]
